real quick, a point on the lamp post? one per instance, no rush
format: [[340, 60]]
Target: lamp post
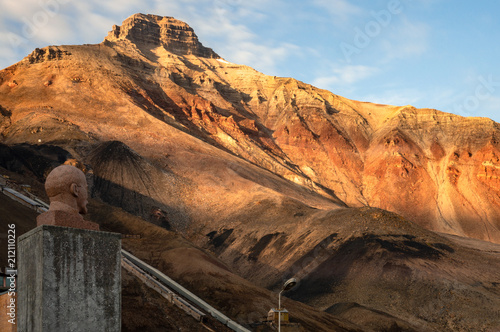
[[289, 284]]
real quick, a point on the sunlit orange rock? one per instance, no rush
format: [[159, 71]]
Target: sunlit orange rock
[[153, 86]]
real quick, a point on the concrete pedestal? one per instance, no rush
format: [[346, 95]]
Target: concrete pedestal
[[69, 280]]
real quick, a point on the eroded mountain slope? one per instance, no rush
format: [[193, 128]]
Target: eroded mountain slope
[[153, 86]]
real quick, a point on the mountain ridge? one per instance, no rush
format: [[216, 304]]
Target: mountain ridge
[[335, 146]]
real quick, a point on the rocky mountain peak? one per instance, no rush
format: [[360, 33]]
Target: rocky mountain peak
[[153, 30]]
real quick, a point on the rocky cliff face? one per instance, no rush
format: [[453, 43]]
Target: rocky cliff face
[[157, 31]]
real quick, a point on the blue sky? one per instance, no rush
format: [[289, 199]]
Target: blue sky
[[427, 53]]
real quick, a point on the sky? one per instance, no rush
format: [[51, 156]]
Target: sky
[[440, 54]]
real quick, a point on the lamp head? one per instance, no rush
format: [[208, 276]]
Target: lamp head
[[289, 284]]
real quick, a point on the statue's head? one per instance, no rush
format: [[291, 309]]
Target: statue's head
[[67, 184]]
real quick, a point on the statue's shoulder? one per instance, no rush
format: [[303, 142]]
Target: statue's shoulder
[[66, 219]]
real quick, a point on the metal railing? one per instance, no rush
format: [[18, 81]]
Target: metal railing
[[162, 290], [185, 293], [36, 205]]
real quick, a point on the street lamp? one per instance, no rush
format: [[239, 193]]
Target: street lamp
[[289, 284]]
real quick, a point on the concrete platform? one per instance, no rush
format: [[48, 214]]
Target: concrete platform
[[69, 280]]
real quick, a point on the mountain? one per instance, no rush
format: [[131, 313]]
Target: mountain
[[273, 176], [151, 76]]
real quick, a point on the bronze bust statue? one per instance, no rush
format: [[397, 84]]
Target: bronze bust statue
[[67, 189]]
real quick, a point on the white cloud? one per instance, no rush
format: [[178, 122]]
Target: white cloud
[[442, 96], [405, 39], [58, 30], [261, 57], [221, 21], [396, 97], [9, 54], [342, 75], [19, 9], [490, 108], [27, 24], [340, 10], [100, 26], [462, 103]]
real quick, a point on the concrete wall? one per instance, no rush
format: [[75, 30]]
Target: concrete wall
[[69, 280]]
